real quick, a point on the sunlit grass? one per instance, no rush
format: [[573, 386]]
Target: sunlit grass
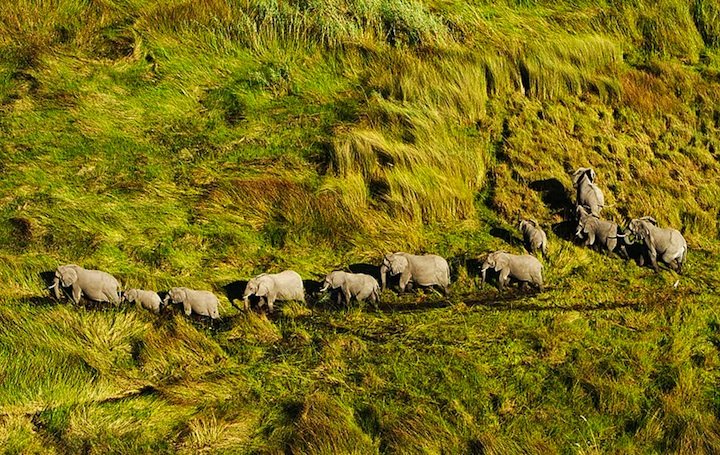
[[198, 143]]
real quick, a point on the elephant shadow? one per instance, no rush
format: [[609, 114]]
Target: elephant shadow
[[565, 230], [553, 194], [47, 277], [506, 236], [312, 290], [234, 291], [473, 266]]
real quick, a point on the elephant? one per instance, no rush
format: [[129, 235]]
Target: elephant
[[602, 233], [426, 270], [588, 194], [204, 303], [667, 243], [286, 285], [94, 284], [534, 237], [524, 268], [148, 299], [358, 285]]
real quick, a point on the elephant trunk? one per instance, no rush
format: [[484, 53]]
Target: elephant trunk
[[56, 288], [325, 287], [383, 276], [483, 271]]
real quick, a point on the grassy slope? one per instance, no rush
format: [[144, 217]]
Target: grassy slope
[[198, 143]]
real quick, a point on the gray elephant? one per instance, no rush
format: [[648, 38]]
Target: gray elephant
[[426, 270], [286, 285], [523, 268], [204, 303], [666, 243], [358, 285], [149, 300], [588, 194], [600, 233], [93, 284], [534, 237]]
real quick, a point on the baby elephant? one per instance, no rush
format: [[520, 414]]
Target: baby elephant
[[286, 285], [199, 302], [358, 285], [525, 268], [148, 299], [534, 237]]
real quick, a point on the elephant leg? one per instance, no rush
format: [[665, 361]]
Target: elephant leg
[[187, 308], [503, 279], [348, 296], [271, 303], [246, 304], [653, 260], [404, 280], [76, 293]]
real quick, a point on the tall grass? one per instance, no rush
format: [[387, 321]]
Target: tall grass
[[199, 143]]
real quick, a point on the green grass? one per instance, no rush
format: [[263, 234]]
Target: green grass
[[199, 143]]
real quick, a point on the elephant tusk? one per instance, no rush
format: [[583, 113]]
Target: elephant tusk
[[54, 284]]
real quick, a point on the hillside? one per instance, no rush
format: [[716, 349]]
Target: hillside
[[201, 142]]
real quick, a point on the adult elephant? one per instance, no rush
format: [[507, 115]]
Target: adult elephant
[[93, 284], [666, 243], [523, 268], [425, 270], [286, 285], [588, 194]]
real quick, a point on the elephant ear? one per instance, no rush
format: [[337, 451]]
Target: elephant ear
[[262, 289], [591, 174], [69, 275], [501, 261], [400, 264]]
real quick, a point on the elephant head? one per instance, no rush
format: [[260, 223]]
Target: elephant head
[[129, 296], [65, 276], [258, 287], [496, 261], [176, 295], [394, 263], [640, 228], [332, 280], [578, 175], [525, 225]]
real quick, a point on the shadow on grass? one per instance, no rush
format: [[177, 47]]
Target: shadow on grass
[[509, 300], [553, 194]]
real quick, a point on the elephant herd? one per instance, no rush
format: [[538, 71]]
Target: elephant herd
[[267, 288], [665, 244], [655, 243]]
